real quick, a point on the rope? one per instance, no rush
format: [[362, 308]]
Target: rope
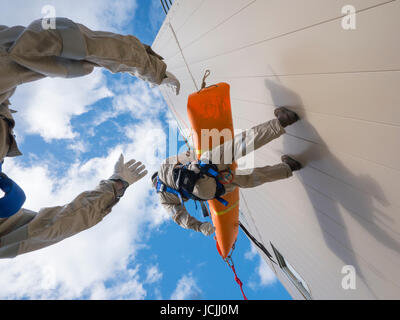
[[176, 115], [230, 263], [194, 82], [203, 82], [181, 51]]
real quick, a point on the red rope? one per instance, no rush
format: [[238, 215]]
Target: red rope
[[239, 282], [230, 263]]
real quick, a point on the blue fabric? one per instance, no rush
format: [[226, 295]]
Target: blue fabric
[[161, 187], [14, 196], [223, 201], [210, 170]]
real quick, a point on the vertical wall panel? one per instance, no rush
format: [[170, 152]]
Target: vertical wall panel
[[342, 208]]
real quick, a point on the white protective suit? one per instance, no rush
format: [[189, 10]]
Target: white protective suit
[[70, 50], [205, 187], [27, 231]]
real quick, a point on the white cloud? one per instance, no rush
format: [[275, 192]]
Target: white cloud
[[78, 147], [153, 274], [96, 263], [250, 255], [79, 266], [127, 287], [47, 106], [138, 100], [186, 289], [95, 14], [265, 275]]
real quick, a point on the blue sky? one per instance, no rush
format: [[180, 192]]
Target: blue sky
[[71, 133]]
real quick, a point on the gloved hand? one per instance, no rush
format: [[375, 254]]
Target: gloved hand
[[172, 82], [129, 172], [207, 229], [149, 50]]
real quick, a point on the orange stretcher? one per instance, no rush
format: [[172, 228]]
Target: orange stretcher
[[210, 108]]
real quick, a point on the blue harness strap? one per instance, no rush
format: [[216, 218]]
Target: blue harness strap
[[14, 196], [161, 187], [210, 170], [223, 201], [214, 173]]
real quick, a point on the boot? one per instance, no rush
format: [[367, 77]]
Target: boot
[[285, 116], [293, 164]]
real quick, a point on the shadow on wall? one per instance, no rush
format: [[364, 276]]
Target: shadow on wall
[[367, 215]]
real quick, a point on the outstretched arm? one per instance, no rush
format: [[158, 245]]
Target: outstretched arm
[[181, 217], [69, 49], [53, 224], [183, 158], [28, 231]]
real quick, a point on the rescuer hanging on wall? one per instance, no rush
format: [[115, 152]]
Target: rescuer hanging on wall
[[183, 177]]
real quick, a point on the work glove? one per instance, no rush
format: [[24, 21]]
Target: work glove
[[172, 82], [149, 50], [129, 172], [207, 228]]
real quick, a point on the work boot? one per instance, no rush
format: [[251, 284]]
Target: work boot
[[293, 164], [285, 116]]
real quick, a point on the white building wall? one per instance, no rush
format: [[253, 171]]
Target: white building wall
[[343, 208]]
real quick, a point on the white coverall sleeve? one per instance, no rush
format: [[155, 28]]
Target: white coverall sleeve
[[183, 218], [179, 213], [72, 50], [183, 158], [28, 231]]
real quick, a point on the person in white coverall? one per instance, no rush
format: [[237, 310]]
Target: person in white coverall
[[69, 50], [27, 230], [205, 187]]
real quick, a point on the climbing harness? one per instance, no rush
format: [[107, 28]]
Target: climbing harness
[[186, 179], [14, 197]]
